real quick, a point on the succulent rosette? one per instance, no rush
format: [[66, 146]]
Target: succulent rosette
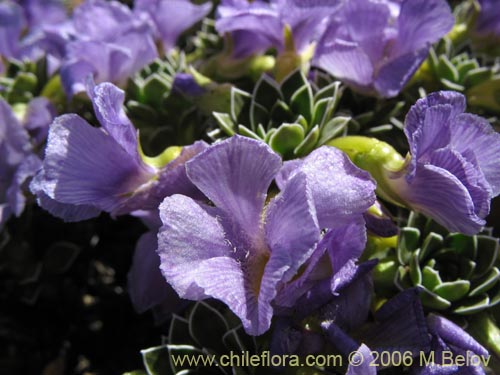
[[293, 117]]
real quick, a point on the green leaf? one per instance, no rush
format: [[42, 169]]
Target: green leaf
[[408, 242], [453, 291], [473, 305], [333, 91], [292, 83], [446, 70], [59, 257], [485, 330], [243, 130], [485, 95], [452, 85], [332, 129], [258, 115], [269, 134], [432, 242], [302, 102], [307, 145], [319, 111], [178, 332], [430, 278], [157, 360], [477, 76], [281, 113], [465, 67], [238, 100], [402, 278], [237, 340], [207, 335], [415, 272], [266, 91], [384, 273], [487, 254], [462, 244], [261, 132], [141, 111], [155, 90], [23, 88], [286, 138], [432, 300], [54, 91], [483, 285], [225, 123]]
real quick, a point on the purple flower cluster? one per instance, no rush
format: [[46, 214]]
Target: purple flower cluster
[[282, 244], [121, 43], [374, 46], [19, 159]]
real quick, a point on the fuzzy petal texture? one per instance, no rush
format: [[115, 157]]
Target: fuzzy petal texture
[[340, 189], [197, 260], [474, 133], [85, 166], [420, 21], [235, 175]]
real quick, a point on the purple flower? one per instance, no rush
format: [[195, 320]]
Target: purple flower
[[113, 49], [399, 326], [12, 23], [376, 46], [241, 249], [146, 285], [43, 13], [18, 163], [332, 284], [449, 338], [39, 115], [258, 25], [42, 22], [87, 170], [488, 21], [186, 84], [172, 17], [453, 171]]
